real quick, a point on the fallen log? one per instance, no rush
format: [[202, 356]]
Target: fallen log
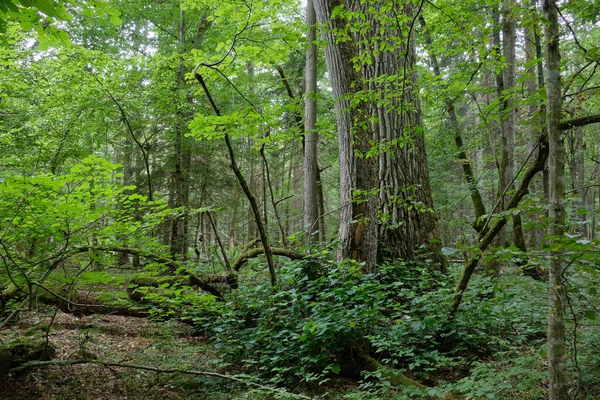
[[83, 302], [360, 361], [172, 264], [254, 252], [144, 281]]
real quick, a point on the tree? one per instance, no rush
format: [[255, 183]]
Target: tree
[[378, 115], [556, 166], [311, 204], [358, 219]]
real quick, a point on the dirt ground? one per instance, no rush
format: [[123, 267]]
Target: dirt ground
[[117, 339]]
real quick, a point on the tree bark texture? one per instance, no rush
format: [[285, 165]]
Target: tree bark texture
[[358, 170], [409, 225], [311, 206], [556, 164]]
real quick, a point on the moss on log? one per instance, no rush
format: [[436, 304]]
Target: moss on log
[[277, 251], [393, 376], [16, 353]]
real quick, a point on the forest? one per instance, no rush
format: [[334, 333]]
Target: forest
[[316, 199]]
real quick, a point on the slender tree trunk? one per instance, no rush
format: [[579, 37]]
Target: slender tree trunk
[[535, 235], [253, 174], [579, 150], [321, 210], [128, 180], [509, 31], [252, 231], [556, 165], [232, 221], [182, 163], [311, 168], [244, 185], [464, 160]]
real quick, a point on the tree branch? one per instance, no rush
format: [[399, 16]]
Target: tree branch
[[582, 121], [40, 364]]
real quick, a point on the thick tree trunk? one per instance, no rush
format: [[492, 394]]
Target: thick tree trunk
[[556, 165], [358, 219], [409, 225]]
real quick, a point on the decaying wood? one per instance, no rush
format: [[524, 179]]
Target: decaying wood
[[277, 251], [172, 264]]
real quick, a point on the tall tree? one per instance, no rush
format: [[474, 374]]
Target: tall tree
[[409, 223], [358, 170], [387, 109], [556, 165], [311, 204]]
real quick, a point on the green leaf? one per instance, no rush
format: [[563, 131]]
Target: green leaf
[[47, 8], [115, 20], [591, 315], [335, 368]]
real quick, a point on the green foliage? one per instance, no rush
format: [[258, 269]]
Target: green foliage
[[307, 329], [42, 16], [296, 333], [511, 375]]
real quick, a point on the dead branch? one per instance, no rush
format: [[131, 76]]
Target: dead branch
[[41, 364]]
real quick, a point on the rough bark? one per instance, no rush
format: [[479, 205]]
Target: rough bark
[[409, 225], [358, 219], [556, 164]]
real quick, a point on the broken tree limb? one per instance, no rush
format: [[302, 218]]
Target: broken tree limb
[[242, 181], [277, 251], [582, 121]]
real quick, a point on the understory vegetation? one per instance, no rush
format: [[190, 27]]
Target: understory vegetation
[[316, 199], [308, 334]]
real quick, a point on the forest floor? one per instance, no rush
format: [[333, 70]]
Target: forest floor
[[121, 339], [132, 341]]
